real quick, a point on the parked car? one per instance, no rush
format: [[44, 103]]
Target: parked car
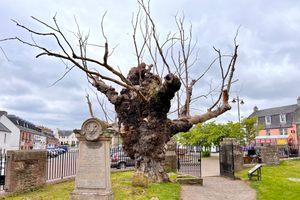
[[119, 159], [51, 153], [65, 147], [60, 150]]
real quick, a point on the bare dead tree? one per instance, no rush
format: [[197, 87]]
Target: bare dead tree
[[144, 101]]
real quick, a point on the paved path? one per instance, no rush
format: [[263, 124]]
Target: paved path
[[216, 187], [210, 166]]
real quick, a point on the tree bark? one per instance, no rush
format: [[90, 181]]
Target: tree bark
[[145, 126]]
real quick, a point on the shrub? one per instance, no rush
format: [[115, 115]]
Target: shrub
[[206, 154]]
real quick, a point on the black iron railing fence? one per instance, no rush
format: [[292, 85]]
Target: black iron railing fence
[[288, 151], [189, 160], [61, 164]]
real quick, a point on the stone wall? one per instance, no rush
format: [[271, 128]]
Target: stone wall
[[238, 157], [25, 170], [269, 155], [237, 153]]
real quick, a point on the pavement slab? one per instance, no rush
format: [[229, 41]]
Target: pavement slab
[[218, 188]]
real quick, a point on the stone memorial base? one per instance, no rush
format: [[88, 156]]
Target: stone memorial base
[[93, 181], [91, 195]]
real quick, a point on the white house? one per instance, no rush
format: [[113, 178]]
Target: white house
[[39, 141], [9, 133], [67, 137]]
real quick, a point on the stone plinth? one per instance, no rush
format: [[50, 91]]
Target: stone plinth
[[93, 178]]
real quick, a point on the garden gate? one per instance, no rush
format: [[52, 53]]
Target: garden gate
[[189, 160]]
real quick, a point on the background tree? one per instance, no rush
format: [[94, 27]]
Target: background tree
[[209, 134], [250, 129], [142, 99]]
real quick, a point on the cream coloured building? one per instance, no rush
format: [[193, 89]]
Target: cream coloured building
[[67, 137]]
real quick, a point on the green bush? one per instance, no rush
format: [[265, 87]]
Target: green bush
[[206, 154]]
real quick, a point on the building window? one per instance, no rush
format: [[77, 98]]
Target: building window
[[283, 131], [282, 118], [268, 119], [268, 132]]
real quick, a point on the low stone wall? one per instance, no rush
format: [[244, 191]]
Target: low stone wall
[[269, 155], [25, 170]]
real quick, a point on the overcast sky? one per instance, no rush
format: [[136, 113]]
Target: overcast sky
[[268, 67]]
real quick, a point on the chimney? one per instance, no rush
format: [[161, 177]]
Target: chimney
[[255, 109], [298, 101]]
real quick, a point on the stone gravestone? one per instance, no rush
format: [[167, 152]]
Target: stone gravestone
[[93, 181], [170, 162]]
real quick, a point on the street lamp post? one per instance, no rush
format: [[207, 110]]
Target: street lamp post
[[238, 101]]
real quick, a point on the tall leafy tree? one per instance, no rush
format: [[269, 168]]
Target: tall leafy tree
[[211, 134], [250, 129]]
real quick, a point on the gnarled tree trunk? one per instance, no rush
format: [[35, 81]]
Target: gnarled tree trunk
[[145, 126]]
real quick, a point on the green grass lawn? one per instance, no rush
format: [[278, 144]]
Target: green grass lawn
[[121, 183], [275, 184]]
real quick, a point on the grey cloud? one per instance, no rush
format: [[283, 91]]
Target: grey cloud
[[267, 68]]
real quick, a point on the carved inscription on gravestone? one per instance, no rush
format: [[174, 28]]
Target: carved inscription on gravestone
[[94, 156]]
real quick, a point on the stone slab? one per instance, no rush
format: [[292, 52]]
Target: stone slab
[[91, 166], [91, 196]]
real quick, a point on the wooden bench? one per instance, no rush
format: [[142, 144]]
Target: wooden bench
[[257, 169]]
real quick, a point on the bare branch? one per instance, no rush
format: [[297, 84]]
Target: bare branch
[[134, 24], [4, 54], [102, 27], [154, 34], [107, 117], [62, 76], [222, 80], [89, 104]]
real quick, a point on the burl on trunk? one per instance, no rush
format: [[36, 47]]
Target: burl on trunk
[[145, 126]]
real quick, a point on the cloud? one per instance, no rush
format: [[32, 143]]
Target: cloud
[[267, 67]]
